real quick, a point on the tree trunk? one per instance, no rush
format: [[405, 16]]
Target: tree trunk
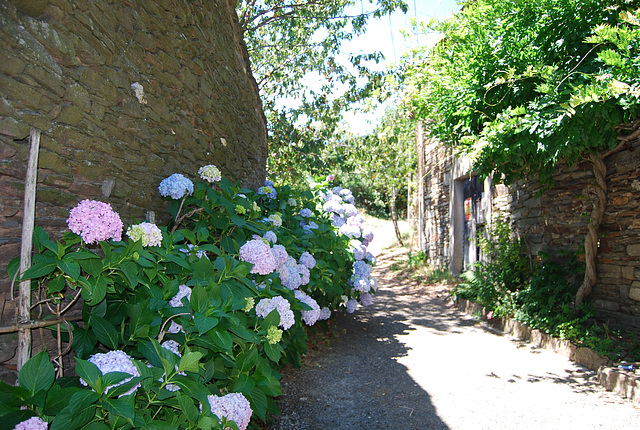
[[394, 215], [591, 241]]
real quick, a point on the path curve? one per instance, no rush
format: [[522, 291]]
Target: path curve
[[413, 361]]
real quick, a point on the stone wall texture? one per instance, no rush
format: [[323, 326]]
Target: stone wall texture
[[556, 220], [125, 92]]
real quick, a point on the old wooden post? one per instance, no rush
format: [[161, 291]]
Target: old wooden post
[[24, 297]]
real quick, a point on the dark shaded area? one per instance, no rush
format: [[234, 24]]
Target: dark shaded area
[[356, 382]]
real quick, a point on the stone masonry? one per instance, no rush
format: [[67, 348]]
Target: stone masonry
[[556, 220], [125, 92]]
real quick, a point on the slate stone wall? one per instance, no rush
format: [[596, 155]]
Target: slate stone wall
[[125, 92], [556, 220]]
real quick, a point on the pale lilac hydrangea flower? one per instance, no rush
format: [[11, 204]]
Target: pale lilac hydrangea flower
[[271, 237], [351, 231], [148, 232], [174, 347], [115, 361], [307, 259], [367, 236], [350, 210], [333, 206], [280, 254], [183, 291], [366, 299], [305, 275], [210, 173], [290, 276], [357, 220], [352, 304], [95, 221], [371, 258], [337, 220], [265, 306], [306, 213], [325, 313], [176, 302], [258, 253], [175, 186], [336, 189], [359, 249], [309, 227], [233, 407], [33, 423], [347, 196], [309, 317], [361, 269]]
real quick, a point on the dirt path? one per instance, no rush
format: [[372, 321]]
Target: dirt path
[[412, 361]]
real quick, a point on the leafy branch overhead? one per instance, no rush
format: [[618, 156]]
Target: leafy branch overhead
[[296, 52], [520, 85]]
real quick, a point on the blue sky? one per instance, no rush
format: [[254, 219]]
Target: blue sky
[[385, 35]]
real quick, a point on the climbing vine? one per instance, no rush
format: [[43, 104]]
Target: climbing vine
[[521, 86]]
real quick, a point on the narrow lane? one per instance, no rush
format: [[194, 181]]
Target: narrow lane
[[413, 361]]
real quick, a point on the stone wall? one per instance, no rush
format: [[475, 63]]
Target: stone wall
[[438, 164], [125, 94], [556, 220]]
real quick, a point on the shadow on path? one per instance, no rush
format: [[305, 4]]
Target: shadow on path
[[356, 382]]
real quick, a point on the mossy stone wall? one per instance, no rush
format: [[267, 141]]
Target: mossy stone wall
[[125, 93]]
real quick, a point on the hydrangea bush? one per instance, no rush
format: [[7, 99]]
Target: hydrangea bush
[[186, 325]]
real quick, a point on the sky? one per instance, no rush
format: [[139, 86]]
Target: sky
[[385, 35]]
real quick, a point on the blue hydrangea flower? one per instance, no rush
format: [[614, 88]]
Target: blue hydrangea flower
[[175, 186], [268, 190], [306, 212]]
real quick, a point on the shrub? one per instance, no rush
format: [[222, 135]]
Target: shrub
[[195, 317]]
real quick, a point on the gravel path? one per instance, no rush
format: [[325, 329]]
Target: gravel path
[[412, 361]]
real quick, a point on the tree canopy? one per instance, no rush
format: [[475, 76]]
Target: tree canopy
[[520, 85], [292, 43]]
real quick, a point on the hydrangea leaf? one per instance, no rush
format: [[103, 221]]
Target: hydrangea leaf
[[37, 373], [259, 403], [204, 323], [190, 362], [105, 331]]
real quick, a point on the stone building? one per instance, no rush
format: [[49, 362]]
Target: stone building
[[125, 93], [459, 207]]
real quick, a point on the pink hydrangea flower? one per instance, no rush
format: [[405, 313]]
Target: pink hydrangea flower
[[95, 221], [258, 253]]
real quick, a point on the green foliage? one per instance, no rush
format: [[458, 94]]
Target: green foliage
[[223, 344], [519, 85], [375, 167], [493, 283], [546, 302], [295, 51]]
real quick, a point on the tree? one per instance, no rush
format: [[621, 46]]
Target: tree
[[521, 85], [291, 42]]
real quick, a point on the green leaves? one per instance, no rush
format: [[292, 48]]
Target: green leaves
[[37, 374], [519, 86]]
